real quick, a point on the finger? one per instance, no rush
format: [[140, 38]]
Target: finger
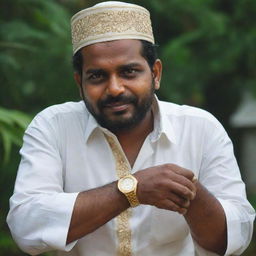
[[171, 206], [180, 201], [182, 191], [181, 171], [180, 179], [183, 211]]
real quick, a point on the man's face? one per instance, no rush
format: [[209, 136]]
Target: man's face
[[118, 84]]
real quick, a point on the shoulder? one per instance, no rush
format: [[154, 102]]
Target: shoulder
[[188, 113], [68, 108], [194, 124], [61, 115]]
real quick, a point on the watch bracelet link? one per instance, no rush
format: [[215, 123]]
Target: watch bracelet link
[[133, 199]]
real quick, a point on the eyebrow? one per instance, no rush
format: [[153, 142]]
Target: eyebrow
[[130, 65], [121, 67], [94, 70]]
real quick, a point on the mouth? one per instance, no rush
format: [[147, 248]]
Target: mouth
[[117, 106]]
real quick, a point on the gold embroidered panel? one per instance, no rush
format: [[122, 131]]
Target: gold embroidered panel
[[124, 234]]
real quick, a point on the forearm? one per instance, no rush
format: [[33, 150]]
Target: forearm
[[94, 208], [207, 221]]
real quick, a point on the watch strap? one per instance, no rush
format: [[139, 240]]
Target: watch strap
[[132, 198]]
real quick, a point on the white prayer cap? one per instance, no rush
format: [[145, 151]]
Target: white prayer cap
[[109, 21]]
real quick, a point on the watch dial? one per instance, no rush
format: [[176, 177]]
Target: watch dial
[[127, 184]]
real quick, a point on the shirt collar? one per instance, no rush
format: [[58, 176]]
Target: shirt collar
[[90, 126], [162, 125]]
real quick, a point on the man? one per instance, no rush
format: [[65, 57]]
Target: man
[[126, 174]]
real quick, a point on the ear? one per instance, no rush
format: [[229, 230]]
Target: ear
[[78, 80], [157, 73]]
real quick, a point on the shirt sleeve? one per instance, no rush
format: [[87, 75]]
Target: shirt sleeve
[[220, 174], [40, 210]]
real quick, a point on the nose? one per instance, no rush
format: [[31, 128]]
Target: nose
[[115, 86]]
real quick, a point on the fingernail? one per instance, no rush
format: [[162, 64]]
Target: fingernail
[[183, 211]]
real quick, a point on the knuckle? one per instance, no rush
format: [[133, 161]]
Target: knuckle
[[160, 184], [168, 167]]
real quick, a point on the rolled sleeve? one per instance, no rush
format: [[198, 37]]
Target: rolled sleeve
[[58, 221], [239, 226], [42, 223], [221, 176], [40, 209]]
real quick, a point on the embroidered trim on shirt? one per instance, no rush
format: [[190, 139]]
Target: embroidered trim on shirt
[[124, 233]]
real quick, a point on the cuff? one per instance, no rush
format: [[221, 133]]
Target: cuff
[[238, 228], [56, 230]]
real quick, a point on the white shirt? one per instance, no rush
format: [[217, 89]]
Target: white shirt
[[65, 152]]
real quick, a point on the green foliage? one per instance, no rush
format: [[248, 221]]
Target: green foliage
[[35, 54], [205, 44], [7, 245], [12, 126], [35, 69]]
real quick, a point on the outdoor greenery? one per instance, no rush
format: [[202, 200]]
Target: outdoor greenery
[[208, 48]]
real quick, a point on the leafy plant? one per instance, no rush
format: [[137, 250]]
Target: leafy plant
[[12, 126]]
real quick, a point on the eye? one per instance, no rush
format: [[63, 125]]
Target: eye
[[95, 78], [130, 72]]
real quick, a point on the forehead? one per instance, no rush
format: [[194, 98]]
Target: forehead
[[116, 52]]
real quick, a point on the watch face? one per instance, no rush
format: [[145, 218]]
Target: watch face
[[127, 184]]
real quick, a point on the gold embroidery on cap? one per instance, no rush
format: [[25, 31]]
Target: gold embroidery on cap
[[111, 24], [124, 233]]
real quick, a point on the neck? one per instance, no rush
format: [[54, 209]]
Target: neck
[[132, 140]]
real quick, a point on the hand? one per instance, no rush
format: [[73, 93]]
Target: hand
[[167, 186]]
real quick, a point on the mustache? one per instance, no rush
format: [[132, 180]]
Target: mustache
[[124, 99]]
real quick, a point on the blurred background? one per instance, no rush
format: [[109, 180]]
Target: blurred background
[[208, 48]]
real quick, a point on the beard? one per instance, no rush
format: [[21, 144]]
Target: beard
[[120, 122]]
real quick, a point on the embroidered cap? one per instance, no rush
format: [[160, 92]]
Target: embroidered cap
[[109, 21]]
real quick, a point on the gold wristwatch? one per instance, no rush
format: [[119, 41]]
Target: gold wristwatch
[[128, 186]]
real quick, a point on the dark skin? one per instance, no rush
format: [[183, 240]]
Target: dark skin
[[167, 186]]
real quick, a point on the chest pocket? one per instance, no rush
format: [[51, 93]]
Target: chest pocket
[[167, 227]]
